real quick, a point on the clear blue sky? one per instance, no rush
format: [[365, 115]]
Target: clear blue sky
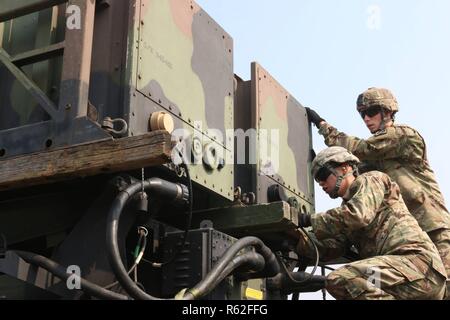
[[325, 52]]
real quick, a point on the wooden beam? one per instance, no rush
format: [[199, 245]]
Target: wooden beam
[[124, 154]]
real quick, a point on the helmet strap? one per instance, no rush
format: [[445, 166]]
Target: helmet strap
[[383, 121], [355, 170], [340, 178], [335, 193]]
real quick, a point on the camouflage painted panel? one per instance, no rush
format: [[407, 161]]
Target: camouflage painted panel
[[189, 57], [184, 65], [282, 123]]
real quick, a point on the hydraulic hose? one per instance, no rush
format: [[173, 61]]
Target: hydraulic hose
[[250, 261], [271, 268], [177, 192], [61, 272], [171, 191], [295, 282]]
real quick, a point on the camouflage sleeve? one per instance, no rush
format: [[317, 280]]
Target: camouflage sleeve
[[387, 144], [329, 249], [358, 212]]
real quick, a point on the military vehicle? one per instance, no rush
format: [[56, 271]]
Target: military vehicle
[[134, 163]]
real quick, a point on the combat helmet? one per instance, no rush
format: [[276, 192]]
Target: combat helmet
[[377, 97], [331, 157], [335, 155]]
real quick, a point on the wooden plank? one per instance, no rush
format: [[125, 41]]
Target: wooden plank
[[16, 8], [124, 154]]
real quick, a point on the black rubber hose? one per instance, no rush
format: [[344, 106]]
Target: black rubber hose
[[188, 219], [61, 272], [171, 191], [250, 261], [304, 282], [271, 264], [272, 267]]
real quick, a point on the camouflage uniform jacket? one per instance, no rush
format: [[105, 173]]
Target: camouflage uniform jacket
[[373, 218], [400, 152]]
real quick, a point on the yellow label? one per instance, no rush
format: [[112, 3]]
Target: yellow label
[[254, 294]]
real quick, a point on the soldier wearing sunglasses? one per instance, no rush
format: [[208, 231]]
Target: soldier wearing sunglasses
[[400, 152], [399, 259]]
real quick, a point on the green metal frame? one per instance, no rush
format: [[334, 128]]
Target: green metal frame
[[17, 8], [68, 123]]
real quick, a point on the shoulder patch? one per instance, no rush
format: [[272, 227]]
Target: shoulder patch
[[380, 133]]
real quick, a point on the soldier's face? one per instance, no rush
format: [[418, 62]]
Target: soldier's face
[[328, 184], [373, 123]]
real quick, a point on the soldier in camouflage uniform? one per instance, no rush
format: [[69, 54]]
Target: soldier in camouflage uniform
[[400, 152], [400, 261]]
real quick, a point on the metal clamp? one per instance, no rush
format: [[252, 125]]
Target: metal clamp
[[143, 229]]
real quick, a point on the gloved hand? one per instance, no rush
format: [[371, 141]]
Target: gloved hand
[[304, 220], [313, 117]]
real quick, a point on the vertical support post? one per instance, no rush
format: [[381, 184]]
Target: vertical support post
[[74, 89], [46, 34], [2, 28]]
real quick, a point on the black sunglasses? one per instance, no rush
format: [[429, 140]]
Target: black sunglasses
[[371, 112], [322, 174]]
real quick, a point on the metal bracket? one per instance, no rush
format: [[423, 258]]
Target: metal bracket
[[243, 199], [206, 224]]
